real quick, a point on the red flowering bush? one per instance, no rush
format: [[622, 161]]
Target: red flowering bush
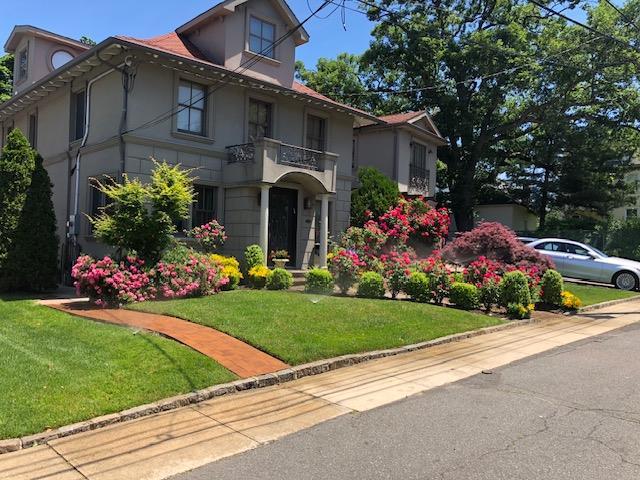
[[110, 283], [483, 270], [396, 266], [345, 266], [368, 242], [439, 275], [199, 276], [495, 242], [209, 236], [415, 218]]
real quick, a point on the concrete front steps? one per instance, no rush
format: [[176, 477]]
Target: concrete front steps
[[298, 279]]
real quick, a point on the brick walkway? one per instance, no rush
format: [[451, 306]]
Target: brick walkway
[[242, 359]]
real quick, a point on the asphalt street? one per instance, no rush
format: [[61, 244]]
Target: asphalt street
[[569, 413]]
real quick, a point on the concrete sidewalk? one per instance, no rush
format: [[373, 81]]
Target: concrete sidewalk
[[166, 444]]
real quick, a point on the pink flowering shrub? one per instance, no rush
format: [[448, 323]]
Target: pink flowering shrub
[[209, 236], [199, 276], [415, 218], [495, 242], [440, 277], [397, 268], [345, 266], [110, 283], [483, 270]]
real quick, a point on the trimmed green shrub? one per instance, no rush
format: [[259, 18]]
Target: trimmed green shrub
[[279, 279], [371, 285], [32, 263], [457, 277], [514, 288], [319, 281], [418, 287], [489, 294], [16, 168], [464, 295], [142, 218], [376, 194], [253, 256], [552, 286]]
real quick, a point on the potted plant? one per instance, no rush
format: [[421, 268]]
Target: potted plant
[[279, 258]]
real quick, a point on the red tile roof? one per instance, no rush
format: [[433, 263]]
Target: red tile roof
[[397, 118], [177, 45]]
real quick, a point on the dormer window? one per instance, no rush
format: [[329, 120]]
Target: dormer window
[[23, 64], [262, 36]]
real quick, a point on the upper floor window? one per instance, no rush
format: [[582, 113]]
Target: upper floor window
[[262, 36], [78, 112], [259, 119], [316, 133], [191, 107], [23, 64]]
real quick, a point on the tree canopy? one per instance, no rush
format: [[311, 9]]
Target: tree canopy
[[510, 86], [6, 77]]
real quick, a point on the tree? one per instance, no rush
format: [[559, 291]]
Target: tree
[[17, 163], [32, 263], [6, 77], [87, 41], [140, 219], [375, 195]]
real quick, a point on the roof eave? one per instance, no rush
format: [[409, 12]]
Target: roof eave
[[11, 44]]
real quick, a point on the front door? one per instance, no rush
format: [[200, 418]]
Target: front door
[[283, 221]]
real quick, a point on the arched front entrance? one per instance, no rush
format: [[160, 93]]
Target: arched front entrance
[[288, 218]]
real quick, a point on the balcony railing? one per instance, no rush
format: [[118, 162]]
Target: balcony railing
[[290, 155], [243, 153], [419, 180]]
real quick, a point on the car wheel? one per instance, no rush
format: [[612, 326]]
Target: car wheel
[[625, 280]]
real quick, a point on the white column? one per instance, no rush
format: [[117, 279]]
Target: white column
[[264, 220], [324, 229]]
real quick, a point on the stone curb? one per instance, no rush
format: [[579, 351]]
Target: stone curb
[[260, 381], [610, 303]]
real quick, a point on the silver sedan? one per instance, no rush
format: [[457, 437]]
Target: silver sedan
[[577, 260]]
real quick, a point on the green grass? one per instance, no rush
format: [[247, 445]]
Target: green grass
[[57, 369], [590, 294], [299, 328]]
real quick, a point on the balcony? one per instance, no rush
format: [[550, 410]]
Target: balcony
[[419, 179], [267, 160]]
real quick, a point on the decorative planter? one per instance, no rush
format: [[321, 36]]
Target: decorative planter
[[280, 262]]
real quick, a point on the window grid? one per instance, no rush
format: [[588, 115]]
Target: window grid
[[262, 37], [204, 208], [316, 136], [191, 107], [23, 64], [259, 119]]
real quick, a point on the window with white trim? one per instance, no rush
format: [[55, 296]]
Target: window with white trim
[[262, 36], [192, 105]]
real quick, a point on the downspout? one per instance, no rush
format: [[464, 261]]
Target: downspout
[[87, 124]]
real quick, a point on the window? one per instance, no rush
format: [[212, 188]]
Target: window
[[419, 156], [97, 198], [191, 107], [316, 137], [33, 131], [23, 64], [204, 208], [262, 36], [575, 249], [78, 111], [259, 119], [549, 247], [632, 213]]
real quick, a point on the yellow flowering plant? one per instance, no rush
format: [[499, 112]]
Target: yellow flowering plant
[[257, 276], [229, 268], [571, 301]]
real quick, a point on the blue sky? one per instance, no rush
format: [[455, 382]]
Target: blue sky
[[146, 18]]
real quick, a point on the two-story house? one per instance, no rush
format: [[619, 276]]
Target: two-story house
[[404, 147], [273, 159]]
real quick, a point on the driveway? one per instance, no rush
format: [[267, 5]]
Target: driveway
[[569, 413]]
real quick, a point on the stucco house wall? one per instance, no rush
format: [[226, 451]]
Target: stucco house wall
[[516, 217]]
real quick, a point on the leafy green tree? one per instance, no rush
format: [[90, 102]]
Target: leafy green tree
[[17, 163], [87, 40], [32, 263], [375, 194], [140, 219], [625, 239], [6, 77]]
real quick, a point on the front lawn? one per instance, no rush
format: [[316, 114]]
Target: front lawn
[[590, 294], [57, 369], [299, 328]]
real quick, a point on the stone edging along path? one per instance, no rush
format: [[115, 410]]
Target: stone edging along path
[[259, 381]]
